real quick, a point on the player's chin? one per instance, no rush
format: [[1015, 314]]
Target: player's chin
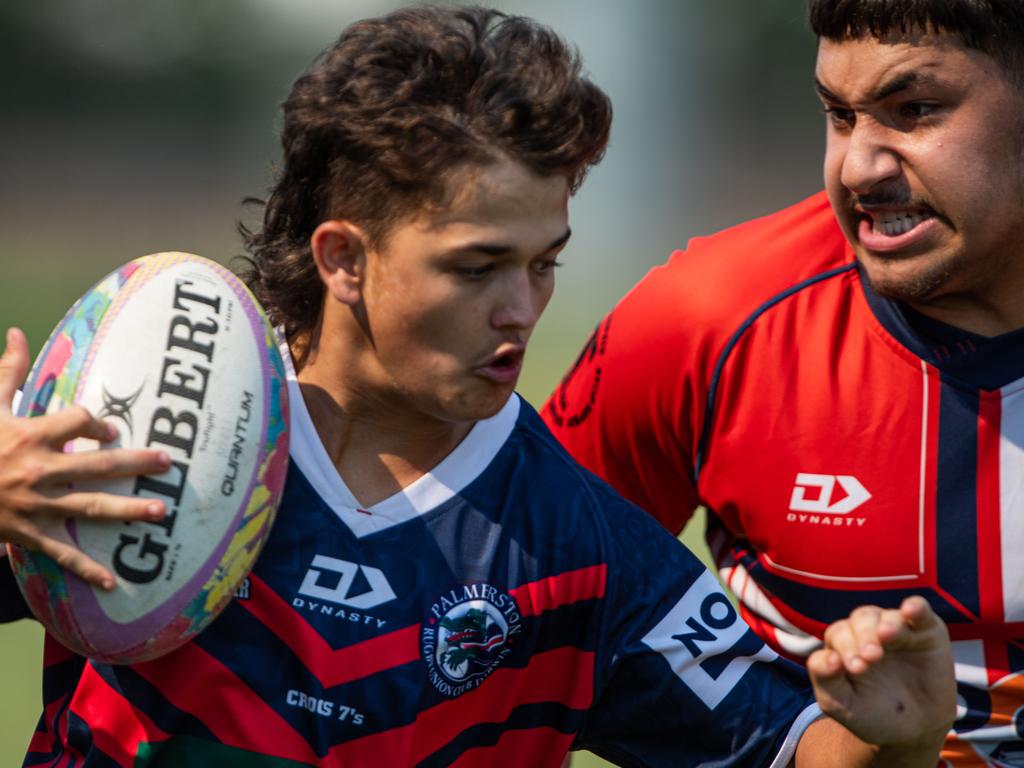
[[472, 401], [487, 399], [486, 407], [913, 278]]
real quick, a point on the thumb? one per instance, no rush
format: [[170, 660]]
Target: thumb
[[13, 367], [832, 686]]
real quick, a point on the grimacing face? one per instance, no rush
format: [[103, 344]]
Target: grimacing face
[[924, 165], [452, 296]]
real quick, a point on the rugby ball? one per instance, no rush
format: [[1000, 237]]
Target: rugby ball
[[176, 352]]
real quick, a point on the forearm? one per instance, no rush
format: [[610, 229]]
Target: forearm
[[827, 744]]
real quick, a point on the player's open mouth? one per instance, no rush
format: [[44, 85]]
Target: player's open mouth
[[504, 366], [892, 230]]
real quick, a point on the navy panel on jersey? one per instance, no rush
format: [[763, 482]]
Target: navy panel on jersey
[[956, 497]]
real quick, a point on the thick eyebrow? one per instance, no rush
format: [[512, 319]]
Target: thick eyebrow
[[503, 249], [824, 92], [883, 91], [900, 83]]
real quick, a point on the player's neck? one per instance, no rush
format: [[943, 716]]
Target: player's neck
[[377, 445]]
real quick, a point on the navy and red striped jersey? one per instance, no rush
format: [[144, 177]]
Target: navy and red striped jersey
[[502, 609], [848, 450]]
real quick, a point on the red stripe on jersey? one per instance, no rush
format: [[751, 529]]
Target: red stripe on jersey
[[768, 632], [331, 667], [334, 667], [563, 675], [1005, 633], [555, 591], [54, 652], [997, 660], [534, 747], [43, 739], [40, 742], [990, 559], [760, 625], [235, 714], [117, 727]]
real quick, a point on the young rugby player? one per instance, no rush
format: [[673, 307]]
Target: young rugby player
[[443, 585], [841, 384]]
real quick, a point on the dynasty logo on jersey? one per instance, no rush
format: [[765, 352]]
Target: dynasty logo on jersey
[[379, 592], [340, 598], [813, 493], [815, 500], [466, 636]]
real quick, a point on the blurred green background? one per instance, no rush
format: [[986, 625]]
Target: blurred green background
[[129, 128]]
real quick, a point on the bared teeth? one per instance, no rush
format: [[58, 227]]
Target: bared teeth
[[893, 224]]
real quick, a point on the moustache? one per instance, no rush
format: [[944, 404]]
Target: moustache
[[887, 198]]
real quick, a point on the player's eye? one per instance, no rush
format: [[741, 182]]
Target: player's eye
[[546, 266], [840, 117], [473, 271], [915, 110]]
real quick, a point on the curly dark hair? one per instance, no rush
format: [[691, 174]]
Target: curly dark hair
[[994, 27], [374, 129]]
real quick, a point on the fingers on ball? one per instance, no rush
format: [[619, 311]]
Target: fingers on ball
[[108, 506]]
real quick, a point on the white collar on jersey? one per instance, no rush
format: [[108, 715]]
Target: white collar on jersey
[[455, 472]]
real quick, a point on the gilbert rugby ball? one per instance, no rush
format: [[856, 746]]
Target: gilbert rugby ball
[[178, 354]]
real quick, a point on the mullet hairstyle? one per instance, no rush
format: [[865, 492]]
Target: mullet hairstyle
[[993, 27], [380, 122]]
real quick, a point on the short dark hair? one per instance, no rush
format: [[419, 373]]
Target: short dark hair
[[994, 27], [376, 127]]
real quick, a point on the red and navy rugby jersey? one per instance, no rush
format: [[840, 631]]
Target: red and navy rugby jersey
[[501, 610], [847, 450]]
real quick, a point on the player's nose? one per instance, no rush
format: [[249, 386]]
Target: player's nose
[[518, 306], [869, 159]]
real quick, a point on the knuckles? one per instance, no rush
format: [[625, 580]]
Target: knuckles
[[79, 417], [93, 506], [21, 435], [103, 462], [864, 614], [17, 477], [64, 558], [32, 473], [836, 633]]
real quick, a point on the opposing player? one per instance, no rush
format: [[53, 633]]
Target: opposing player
[[841, 384], [443, 585]]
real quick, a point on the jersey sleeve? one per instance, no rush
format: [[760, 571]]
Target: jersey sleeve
[[683, 680], [629, 407]]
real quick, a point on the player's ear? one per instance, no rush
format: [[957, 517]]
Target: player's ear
[[339, 250]]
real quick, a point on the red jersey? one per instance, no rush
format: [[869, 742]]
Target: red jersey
[[848, 450]]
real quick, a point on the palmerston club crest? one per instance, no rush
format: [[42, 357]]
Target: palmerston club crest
[[467, 634]]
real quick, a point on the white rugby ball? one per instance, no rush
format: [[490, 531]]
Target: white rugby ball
[[179, 355]]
